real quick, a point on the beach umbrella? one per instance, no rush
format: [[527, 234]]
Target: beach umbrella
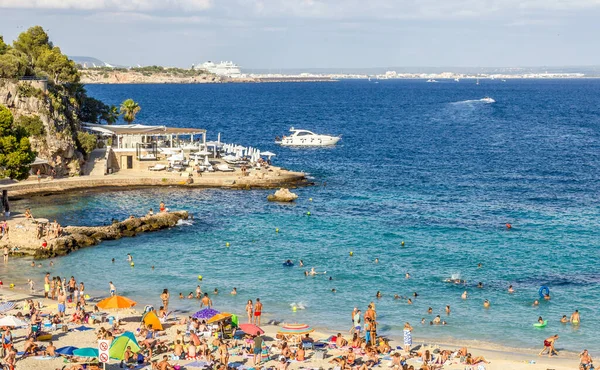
[[219, 317], [120, 344], [6, 306], [251, 329], [67, 351], [86, 352], [205, 314], [295, 329], [116, 302], [150, 318], [12, 321], [268, 154]]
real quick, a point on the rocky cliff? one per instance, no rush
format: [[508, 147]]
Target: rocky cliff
[[58, 143]]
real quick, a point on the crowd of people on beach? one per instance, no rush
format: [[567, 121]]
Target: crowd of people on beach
[[196, 339]]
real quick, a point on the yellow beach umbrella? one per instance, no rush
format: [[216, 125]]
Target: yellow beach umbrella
[[219, 317], [116, 302]]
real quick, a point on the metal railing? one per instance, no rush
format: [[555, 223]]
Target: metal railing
[[33, 78]]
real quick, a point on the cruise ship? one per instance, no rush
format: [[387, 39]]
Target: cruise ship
[[227, 69]]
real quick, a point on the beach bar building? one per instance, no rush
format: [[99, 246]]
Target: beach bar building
[[137, 146]]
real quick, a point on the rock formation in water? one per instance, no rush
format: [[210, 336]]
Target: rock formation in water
[[76, 237], [282, 195]]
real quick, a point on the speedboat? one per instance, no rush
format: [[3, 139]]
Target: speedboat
[[306, 138], [488, 100], [431, 80]]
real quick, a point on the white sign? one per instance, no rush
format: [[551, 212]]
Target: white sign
[[103, 346]]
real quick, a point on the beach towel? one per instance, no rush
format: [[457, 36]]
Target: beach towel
[[83, 328], [199, 364], [43, 358]]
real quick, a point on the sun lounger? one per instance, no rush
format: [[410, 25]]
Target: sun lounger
[[158, 167]]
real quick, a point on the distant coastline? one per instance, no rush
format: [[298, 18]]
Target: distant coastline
[[132, 77], [92, 76]]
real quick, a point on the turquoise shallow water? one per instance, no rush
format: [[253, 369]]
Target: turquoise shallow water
[[418, 163]]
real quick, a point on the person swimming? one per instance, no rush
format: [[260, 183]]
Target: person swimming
[[464, 295], [181, 296], [190, 296], [333, 290], [486, 304], [376, 260], [536, 303], [234, 291], [510, 289], [378, 295], [301, 263], [480, 285], [564, 319], [540, 320]]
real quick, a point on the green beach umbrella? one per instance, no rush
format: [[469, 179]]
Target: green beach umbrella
[[86, 352], [234, 320], [120, 344]]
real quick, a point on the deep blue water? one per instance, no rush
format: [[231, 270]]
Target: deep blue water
[[427, 164]]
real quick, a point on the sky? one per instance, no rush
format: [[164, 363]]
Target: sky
[[281, 34]]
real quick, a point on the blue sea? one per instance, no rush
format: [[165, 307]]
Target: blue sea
[[427, 164]]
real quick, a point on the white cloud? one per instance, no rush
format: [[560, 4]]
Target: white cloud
[[110, 5]]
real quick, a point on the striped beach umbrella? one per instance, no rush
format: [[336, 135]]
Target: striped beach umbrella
[[6, 306], [295, 329]]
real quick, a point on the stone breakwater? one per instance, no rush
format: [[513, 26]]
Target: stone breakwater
[[76, 237]]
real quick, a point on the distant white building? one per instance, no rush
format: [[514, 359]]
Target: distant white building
[[226, 69]]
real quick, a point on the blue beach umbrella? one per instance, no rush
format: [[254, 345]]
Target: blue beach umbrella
[[67, 351], [86, 352]]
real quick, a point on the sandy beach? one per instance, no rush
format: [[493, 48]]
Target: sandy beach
[[498, 358]]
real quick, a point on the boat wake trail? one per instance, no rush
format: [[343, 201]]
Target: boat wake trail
[[486, 100]]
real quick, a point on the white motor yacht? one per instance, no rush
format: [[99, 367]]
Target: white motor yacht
[[488, 100], [306, 138]]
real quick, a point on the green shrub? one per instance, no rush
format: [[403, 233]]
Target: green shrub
[[87, 142], [32, 125]]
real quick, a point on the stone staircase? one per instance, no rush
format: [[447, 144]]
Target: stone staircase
[[96, 164]]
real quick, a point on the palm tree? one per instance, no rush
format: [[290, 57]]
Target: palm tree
[[111, 115], [129, 109]]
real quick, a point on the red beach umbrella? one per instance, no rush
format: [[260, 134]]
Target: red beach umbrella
[[251, 329]]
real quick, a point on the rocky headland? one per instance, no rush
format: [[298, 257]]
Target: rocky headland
[[23, 239]]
